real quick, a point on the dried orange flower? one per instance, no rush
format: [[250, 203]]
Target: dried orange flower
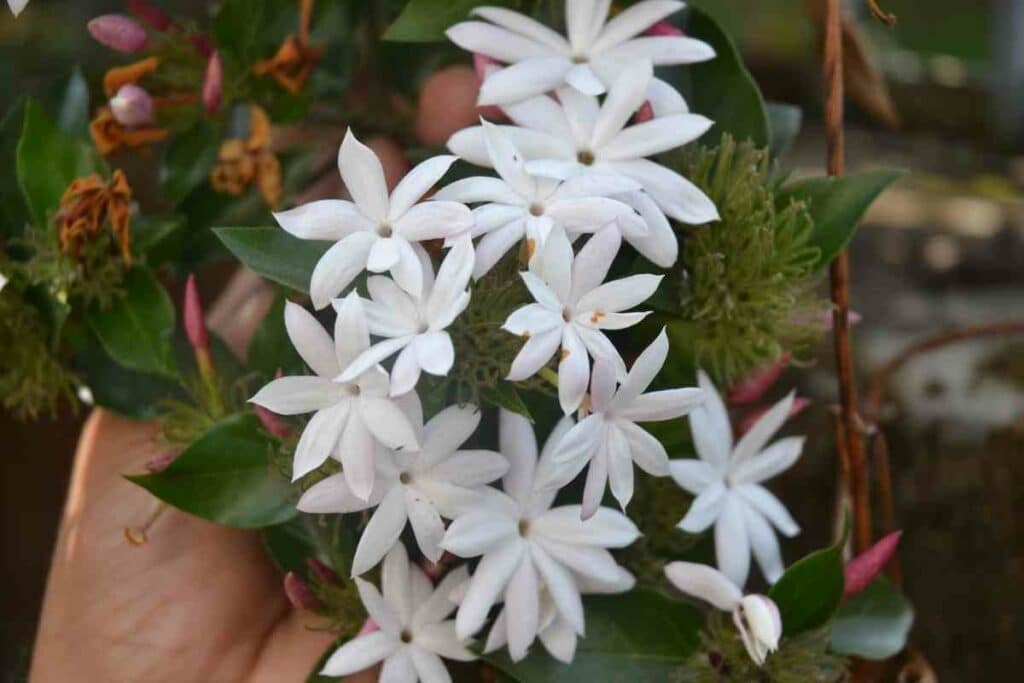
[[108, 133], [241, 163], [90, 202], [291, 65]]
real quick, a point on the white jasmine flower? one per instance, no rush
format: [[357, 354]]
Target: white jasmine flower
[[17, 6], [416, 325], [571, 310], [579, 136], [375, 232], [414, 633], [756, 616], [3, 281], [528, 547], [438, 481], [520, 205], [727, 482], [595, 53], [609, 438], [349, 418]]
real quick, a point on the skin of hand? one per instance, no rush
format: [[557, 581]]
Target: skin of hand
[[198, 602]]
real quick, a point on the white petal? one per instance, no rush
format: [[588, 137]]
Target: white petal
[[450, 286], [469, 144], [596, 564], [554, 265], [471, 468], [607, 528], [596, 184], [619, 295], [532, 319], [409, 273], [435, 353], [524, 25], [582, 78], [517, 442], [448, 430], [693, 475], [645, 450], [732, 547], [763, 543], [434, 220], [578, 23], [645, 368], [540, 291], [712, 433], [542, 114], [602, 384], [659, 244], [479, 189], [398, 668], [663, 405], [439, 605], [561, 587], [705, 509], [522, 608], [677, 196], [17, 6], [478, 533], [360, 653], [536, 352], [627, 93], [297, 395], [381, 533], [417, 183], [311, 340], [498, 636], [595, 484], [662, 50], [405, 372], [620, 467], [494, 245], [442, 641], [524, 79], [374, 355], [324, 219], [389, 424], [339, 266], [495, 42], [590, 214], [754, 440], [573, 371], [600, 346], [507, 160], [704, 583], [380, 610], [581, 112], [763, 501], [489, 580], [319, 438], [665, 99], [773, 460], [364, 177], [593, 261], [385, 293], [351, 336], [333, 495], [426, 524], [634, 20], [383, 255], [654, 137], [560, 641], [356, 451]]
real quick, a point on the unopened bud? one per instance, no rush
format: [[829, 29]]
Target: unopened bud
[[322, 571], [195, 322], [760, 625], [132, 106], [213, 84], [160, 462], [645, 113], [799, 405], [752, 387], [118, 32], [300, 594], [150, 14], [274, 426], [663, 28], [863, 569], [369, 626]]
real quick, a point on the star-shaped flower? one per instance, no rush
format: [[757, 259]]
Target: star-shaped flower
[[414, 631], [596, 51], [571, 310], [727, 482], [609, 438], [416, 325], [349, 418], [438, 481], [375, 232], [17, 6], [576, 135], [520, 205], [528, 546]]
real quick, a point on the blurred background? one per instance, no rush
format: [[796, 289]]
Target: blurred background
[[942, 250]]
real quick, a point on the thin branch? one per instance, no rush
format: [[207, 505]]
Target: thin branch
[[887, 18]]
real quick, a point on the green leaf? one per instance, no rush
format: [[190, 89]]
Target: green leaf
[[48, 160], [837, 205], [504, 395], [809, 592], [13, 210], [155, 238], [638, 636], [239, 29], [188, 160], [872, 624], [328, 538], [136, 329], [226, 476], [274, 254], [784, 121], [270, 349], [425, 21]]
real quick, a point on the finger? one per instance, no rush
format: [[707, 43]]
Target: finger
[[447, 103]]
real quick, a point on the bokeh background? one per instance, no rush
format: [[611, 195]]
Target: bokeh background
[[942, 250]]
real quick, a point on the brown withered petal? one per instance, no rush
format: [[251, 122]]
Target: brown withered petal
[[129, 73], [291, 65], [87, 204], [241, 163], [109, 136]]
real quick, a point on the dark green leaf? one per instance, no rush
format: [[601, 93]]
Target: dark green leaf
[[155, 238], [872, 624], [13, 210], [188, 160], [785, 121], [274, 254], [837, 205], [425, 21], [328, 538], [240, 29], [48, 160], [226, 477], [638, 636], [270, 349], [136, 329], [504, 395], [809, 592]]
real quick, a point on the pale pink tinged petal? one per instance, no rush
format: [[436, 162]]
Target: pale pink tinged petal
[[426, 523], [439, 605], [405, 372], [360, 653], [452, 280], [675, 195], [325, 219], [645, 450], [532, 319], [383, 255], [319, 438], [311, 340], [707, 507], [607, 528], [559, 640], [417, 183], [582, 78], [448, 430], [732, 546], [398, 668], [712, 433], [518, 443], [339, 266], [595, 184], [764, 429], [692, 475], [669, 404], [593, 564], [620, 295], [654, 137], [435, 353], [434, 220], [332, 496], [356, 450], [602, 385], [471, 468], [525, 79], [496, 42], [364, 177], [561, 587], [664, 99], [662, 50], [536, 352], [541, 113], [522, 607], [409, 273], [351, 335], [541, 291], [524, 25], [297, 395], [763, 501], [770, 462], [627, 93], [479, 189], [573, 371], [440, 639], [478, 533], [633, 21], [494, 245], [429, 666], [374, 355], [620, 467], [645, 368], [762, 542], [487, 584], [381, 533], [659, 244], [507, 160], [704, 583], [388, 424]]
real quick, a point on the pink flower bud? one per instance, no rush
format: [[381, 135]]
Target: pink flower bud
[[752, 387], [269, 420], [159, 463], [213, 84], [863, 569], [300, 594], [644, 113], [132, 106], [195, 321], [150, 14], [118, 32], [322, 571], [799, 404], [484, 67], [663, 28], [369, 626]]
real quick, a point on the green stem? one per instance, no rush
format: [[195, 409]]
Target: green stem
[[549, 375]]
